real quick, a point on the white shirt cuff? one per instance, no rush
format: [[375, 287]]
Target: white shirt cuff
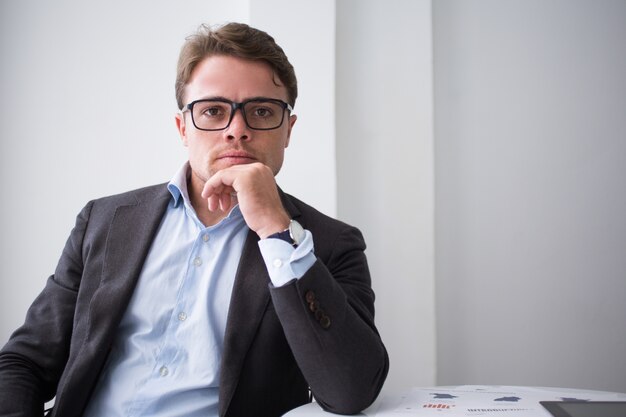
[[284, 262]]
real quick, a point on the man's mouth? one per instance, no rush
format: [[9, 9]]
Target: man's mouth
[[237, 157]]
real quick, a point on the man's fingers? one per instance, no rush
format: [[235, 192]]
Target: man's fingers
[[212, 188], [225, 201], [216, 184], [218, 193], [213, 202]]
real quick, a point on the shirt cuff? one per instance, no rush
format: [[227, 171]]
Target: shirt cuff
[[284, 262]]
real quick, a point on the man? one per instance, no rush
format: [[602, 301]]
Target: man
[[214, 294]]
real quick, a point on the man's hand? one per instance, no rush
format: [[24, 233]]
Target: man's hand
[[257, 194]]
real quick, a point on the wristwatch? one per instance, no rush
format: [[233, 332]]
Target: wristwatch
[[294, 234]]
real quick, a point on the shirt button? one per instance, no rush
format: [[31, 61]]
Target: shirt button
[[205, 237], [182, 316], [278, 263], [163, 371], [197, 261]]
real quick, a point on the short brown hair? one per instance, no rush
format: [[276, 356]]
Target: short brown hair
[[238, 40]]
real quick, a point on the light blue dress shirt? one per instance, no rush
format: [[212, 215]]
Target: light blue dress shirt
[[165, 360]]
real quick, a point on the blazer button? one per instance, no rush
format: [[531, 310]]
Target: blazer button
[[325, 322], [319, 314], [309, 296], [314, 306]]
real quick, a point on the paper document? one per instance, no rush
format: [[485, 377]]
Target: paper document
[[478, 400]]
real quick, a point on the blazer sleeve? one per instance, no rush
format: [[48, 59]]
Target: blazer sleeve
[[328, 320], [32, 361]]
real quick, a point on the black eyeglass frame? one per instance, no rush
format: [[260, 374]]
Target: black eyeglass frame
[[234, 106]]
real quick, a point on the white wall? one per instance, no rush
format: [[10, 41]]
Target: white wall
[[87, 109], [530, 126], [385, 169]]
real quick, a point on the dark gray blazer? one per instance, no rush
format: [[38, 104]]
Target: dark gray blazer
[[316, 332]]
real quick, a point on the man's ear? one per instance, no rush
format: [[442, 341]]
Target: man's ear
[[291, 122], [182, 127]]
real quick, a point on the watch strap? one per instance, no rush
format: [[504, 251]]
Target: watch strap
[[293, 235], [284, 235]]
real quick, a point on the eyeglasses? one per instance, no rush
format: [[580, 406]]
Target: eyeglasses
[[217, 113]]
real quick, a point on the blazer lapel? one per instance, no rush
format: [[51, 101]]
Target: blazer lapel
[[248, 302], [130, 235]]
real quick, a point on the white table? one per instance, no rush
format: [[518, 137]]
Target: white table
[[467, 400]]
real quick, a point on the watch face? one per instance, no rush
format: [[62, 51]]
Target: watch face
[[296, 232]]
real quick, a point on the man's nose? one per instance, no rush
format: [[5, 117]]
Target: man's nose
[[238, 128]]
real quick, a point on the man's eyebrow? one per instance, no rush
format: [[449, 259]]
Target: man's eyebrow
[[260, 98], [216, 98], [222, 98]]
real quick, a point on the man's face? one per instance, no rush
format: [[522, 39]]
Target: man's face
[[237, 80]]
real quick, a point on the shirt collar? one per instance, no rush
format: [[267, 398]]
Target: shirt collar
[[178, 185]]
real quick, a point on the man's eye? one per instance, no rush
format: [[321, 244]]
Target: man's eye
[[262, 112], [212, 111]]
